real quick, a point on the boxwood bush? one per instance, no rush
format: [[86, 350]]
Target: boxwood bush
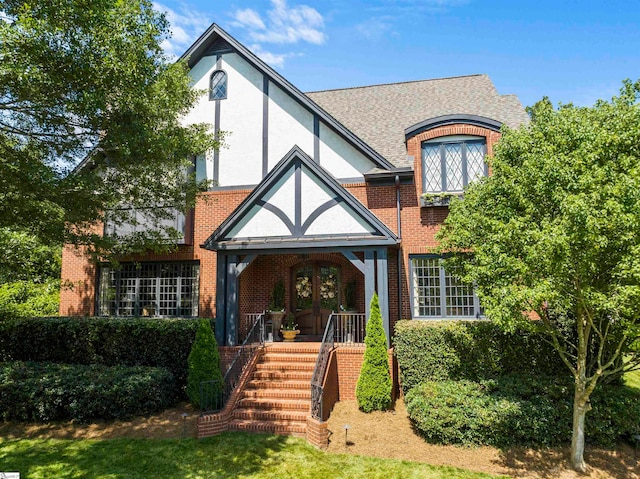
[[429, 350], [45, 392], [518, 410], [108, 341]]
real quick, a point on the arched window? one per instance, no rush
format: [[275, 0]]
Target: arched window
[[218, 85]]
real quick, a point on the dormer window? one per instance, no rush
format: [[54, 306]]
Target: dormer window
[[450, 163], [218, 85]]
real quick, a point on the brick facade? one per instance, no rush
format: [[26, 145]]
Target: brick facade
[[419, 226]]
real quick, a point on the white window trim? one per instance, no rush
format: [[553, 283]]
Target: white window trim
[[442, 286]]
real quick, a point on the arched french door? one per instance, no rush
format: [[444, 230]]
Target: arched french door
[[316, 293]]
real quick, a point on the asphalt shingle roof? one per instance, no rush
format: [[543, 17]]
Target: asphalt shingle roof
[[379, 114]]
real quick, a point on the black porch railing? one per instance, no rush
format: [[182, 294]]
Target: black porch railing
[[213, 394], [350, 327], [321, 368]]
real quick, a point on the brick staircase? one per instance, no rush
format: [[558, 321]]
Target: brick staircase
[[277, 397]]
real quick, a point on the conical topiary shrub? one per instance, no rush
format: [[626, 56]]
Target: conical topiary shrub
[[204, 365], [373, 390]]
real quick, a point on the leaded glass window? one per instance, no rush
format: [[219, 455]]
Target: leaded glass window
[[149, 289], [438, 294], [218, 85], [452, 165]]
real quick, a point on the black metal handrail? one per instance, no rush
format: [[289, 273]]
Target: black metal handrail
[[320, 369], [210, 397]]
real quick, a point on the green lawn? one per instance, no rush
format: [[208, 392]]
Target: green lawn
[[632, 379], [228, 455]]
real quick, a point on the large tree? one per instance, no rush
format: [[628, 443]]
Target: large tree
[[551, 238], [87, 80]]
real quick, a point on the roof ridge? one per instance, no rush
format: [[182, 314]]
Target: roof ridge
[[398, 83]]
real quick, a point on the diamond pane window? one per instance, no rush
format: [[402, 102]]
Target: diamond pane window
[[438, 294], [149, 289], [218, 85], [431, 168], [452, 165]]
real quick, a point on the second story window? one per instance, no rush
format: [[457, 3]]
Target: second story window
[[451, 163], [218, 85]]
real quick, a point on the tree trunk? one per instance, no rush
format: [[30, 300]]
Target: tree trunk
[[580, 408]]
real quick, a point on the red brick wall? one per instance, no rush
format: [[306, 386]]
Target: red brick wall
[[349, 362], [419, 226]]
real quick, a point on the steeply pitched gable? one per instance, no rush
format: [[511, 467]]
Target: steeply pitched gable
[[297, 204]]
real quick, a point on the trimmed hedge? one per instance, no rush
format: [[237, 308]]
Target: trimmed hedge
[[108, 341], [469, 350], [518, 410], [51, 392]]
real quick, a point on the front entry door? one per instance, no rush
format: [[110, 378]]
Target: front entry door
[[316, 293]]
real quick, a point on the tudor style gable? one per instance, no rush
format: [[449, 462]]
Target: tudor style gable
[[263, 116], [298, 204]]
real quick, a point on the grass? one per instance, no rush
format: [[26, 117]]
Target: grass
[[228, 455], [632, 379]]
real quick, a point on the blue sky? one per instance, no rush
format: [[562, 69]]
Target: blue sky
[[570, 51]]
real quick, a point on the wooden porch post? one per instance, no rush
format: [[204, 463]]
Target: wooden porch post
[[232, 310], [221, 298], [369, 280], [383, 291]]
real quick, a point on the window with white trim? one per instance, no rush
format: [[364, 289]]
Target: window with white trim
[[218, 85], [435, 293], [149, 289], [451, 163]]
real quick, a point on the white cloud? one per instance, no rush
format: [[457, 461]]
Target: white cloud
[[284, 24], [273, 59], [375, 28], [186, 25]]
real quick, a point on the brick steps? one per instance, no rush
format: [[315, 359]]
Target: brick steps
[[277, 397], [282, 383], [286, 428]]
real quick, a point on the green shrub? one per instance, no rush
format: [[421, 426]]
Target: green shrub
[[109, 341], [518, 410], [204, 363], [25, 299], [429, 350], [52, 392], [373, 389]]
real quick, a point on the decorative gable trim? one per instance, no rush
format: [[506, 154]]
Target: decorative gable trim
[[216, 40], [289, 226]]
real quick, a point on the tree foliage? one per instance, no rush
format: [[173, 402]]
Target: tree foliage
[[204, 362], [88, 80], [373, 389], [555, 232]]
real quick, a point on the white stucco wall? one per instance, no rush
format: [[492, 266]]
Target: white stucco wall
[[340, 158], [241, 116], [289, 124]]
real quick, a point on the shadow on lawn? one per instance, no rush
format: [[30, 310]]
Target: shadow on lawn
[[227, 455], [623, 463]]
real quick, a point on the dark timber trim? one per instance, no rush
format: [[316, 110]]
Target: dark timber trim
[[265, 125]]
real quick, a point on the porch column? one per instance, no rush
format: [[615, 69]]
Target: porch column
[[369, 280], [232, 309], [221, 298], [383, 292]]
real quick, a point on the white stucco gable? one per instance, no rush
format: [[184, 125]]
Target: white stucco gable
[[299, 203], [264, 116]]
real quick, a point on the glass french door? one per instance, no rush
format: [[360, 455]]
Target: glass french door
[[315, 295]]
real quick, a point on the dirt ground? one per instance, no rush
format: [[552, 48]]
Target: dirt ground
[[381, 434]]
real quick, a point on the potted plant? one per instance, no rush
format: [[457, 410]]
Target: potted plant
[[290, 329], [276, 306]]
